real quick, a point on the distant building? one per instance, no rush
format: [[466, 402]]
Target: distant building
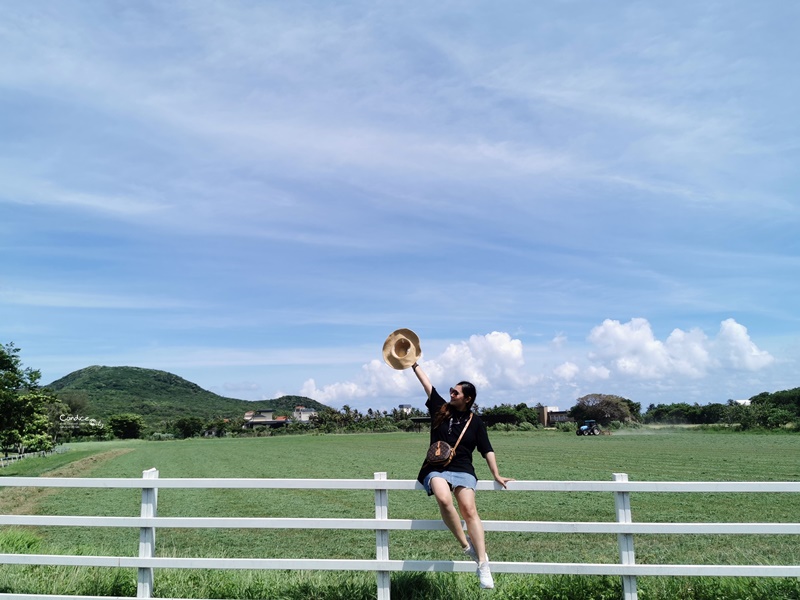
[[253, 418], [549, 416], [303, 414], [406, 408], [742, 402]]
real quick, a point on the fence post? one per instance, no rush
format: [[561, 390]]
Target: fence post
[[382, 539], [147, 537], [622, 503]]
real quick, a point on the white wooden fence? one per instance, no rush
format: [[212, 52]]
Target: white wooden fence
[[382, 565], [6, 461]]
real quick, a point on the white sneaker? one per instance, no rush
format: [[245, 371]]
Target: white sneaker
[[470, 551], [485, 575]]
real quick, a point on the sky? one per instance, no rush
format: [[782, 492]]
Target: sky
[[559, 197]]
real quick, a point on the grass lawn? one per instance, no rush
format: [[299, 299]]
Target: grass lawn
[[646, 455]]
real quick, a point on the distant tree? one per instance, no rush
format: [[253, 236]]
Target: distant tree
[[127, 426], [711, 413], [634, 407], [187, 427], [401, 415], [760, 415], [786, 399], [504, 413], [77, 401], [681, 412], [602, 408], [24, 422], [326, 419], [55, 410], [218, 427], [512, 414]]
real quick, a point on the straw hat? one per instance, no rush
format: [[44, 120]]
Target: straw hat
[[401, 349]]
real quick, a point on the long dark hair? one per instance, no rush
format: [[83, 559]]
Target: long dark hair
[[444, 413]]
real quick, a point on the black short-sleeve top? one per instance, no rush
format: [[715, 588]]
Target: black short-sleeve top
[[449, 430]]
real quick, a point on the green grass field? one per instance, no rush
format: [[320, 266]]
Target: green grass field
[[646, 455]]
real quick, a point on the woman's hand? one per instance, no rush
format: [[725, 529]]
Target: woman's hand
[[491, 460], [503, 480]]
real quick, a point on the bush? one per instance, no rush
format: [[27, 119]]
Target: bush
[[503, 427], [127, 426]]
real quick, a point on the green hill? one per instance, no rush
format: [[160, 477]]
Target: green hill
[[158, 396]]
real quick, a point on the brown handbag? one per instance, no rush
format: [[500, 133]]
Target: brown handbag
[[441, 453]]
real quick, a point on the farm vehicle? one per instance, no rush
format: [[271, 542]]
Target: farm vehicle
[[588, 428]]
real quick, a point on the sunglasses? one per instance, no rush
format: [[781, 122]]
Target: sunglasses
[[454, 392]]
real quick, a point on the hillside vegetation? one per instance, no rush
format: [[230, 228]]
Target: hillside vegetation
[[158, 396]]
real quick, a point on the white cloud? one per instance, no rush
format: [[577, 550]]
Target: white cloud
[[594, 373], [620, 355], [567, 371], [631, 349], [689, 353], [734, 348], [492, 361], [338, 393]]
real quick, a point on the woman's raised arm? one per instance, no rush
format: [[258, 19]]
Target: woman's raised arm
[[423, 378]]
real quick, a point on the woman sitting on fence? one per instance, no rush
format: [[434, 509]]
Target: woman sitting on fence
[[453, 422]]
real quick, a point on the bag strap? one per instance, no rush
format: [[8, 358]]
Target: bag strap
[[463, 431]]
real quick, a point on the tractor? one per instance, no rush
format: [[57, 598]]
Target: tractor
[[588, 428]]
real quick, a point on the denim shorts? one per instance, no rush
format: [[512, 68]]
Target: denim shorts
[[453, 478]]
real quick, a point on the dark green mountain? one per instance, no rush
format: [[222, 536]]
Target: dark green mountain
[[158, 396]]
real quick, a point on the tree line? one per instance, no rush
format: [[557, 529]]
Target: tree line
[[35, 419]]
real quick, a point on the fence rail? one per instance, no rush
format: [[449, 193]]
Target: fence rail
[[10, 459], [624, 527]]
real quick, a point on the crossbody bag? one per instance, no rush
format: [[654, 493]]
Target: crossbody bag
[[441, 453]]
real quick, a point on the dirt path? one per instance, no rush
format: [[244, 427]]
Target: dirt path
[[23, 500]]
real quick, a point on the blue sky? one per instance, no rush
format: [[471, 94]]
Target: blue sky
[[560, 198]]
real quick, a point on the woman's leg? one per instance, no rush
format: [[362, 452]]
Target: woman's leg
[[441, 491], [469, 511]]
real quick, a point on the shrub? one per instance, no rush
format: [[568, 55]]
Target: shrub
[[503, 427], [126, 426]]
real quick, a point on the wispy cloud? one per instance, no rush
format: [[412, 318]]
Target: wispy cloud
[[34, 190], [66, 298]]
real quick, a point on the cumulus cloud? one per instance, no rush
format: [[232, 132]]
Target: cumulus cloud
[[492, 361], [631, 349], [734, 347], [595, 373], [618, 353], [566, 371]]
